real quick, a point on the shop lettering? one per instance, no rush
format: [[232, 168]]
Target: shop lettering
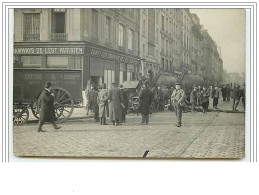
[[49, 50], [33, 76], [71, 77], [114, 57]]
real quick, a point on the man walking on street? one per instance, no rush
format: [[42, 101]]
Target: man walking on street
[[90, 95], [47, 109], [193, 98], [116, 103], [224, 92], [243, 96], [178, 99], [215, 96], [125, 101], [235, 97], [102, 101], [145, 98], [228, 91], [205, 95]]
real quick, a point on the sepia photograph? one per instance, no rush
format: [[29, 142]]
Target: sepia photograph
[[157, 83]]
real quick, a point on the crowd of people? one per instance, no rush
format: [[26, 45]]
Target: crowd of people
[[113, 103]]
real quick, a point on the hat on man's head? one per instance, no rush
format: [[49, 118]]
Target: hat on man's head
[[178, 83], [120, 86], [48, 84]]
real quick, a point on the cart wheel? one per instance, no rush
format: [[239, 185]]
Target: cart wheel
[[63, 103], [34, 109], [20, 115]]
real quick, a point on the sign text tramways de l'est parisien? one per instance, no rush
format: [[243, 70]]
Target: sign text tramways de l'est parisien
[[74, 50]]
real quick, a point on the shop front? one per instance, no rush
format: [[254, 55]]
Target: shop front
[[103, 65]]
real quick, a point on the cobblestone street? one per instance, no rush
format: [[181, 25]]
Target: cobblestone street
[[212, 135]]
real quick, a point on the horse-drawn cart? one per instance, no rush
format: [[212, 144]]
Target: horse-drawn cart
[[29, 83]]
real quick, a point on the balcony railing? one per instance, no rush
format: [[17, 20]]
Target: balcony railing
[[58, 36], [31, 37]]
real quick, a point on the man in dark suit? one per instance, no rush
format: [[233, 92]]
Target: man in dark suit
[[47, 110], [145, 98], [115, 105]]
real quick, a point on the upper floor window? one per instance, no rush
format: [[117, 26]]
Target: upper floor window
[[31, 30], [94, 23], [121, 35], [58, 22], [108, 29], [163, 22], [130, 41]]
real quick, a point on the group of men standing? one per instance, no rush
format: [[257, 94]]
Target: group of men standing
[[200, 96], [106, 103], [113, 103]]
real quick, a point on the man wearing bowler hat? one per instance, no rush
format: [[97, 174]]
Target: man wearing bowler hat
[[178, 99], [47, 109]]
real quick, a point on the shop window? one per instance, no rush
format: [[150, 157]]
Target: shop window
[[121, 35], [31, 27], [76, 62], [123, 73], [108, 30], [57, 61], [109, 77], [129, 76], [31, 61], [130, 39]]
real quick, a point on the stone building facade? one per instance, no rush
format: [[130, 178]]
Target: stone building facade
[[103, 43]]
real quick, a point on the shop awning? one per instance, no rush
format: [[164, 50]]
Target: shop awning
[[130, 84]]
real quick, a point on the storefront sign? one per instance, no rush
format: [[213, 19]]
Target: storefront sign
[[48, 50], [115, 57]]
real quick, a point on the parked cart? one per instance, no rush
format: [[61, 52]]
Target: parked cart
[[29, 83]]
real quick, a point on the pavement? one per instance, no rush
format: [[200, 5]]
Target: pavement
[[212, 135]]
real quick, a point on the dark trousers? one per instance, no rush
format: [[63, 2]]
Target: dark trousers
[[123, 117], [224, 98], [215, 102], [193, 106], [228, 98], [205, 106], [41, 123], [145, 118], [235, 103], [178, 113], [96, 117], [244, 103]]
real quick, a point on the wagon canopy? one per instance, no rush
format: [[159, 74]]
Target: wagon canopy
[[130, 84], [191, 80], [166, 80]]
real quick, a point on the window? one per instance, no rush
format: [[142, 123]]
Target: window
[[166, 25], [109, 77], [94, 23], [31, 61], [163, 63], [58, 21], [76, 62], [31, 30], [57, 61], [108, 29], [144, 51], [163, 22], [130, 39], [121, 35], [144, 27], [167, 68]]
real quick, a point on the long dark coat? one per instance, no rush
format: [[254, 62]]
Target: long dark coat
[[46, 105], [205, 96], [193, 97], [145, 98], [102, 101], [125, 101], [115, 108]]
